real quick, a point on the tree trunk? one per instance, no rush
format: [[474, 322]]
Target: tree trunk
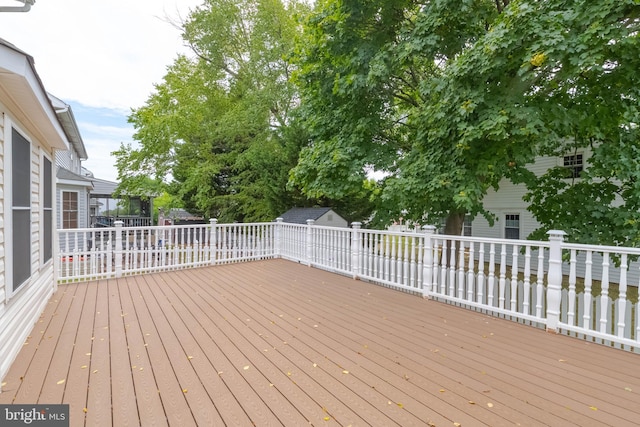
[[453, 227]]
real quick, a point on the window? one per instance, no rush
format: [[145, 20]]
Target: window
[[512, 226], [574, 165], [69, 209], [20, 209], [47, 210]]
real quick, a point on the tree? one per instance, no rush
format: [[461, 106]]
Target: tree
[[450, 98], [211, 133]]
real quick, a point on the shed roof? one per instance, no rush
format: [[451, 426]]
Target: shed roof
[[301, 215]]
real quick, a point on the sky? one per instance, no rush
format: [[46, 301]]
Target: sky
[[102, 57]]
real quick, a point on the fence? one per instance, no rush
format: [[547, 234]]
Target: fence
[[566, 288]]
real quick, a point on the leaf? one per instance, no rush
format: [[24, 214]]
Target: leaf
[[490, 405], [246, 367], [345, 372], [84, 410], [184, 390], [593, 408], [327, 418], [400, 405], [627, 389], [60, 382]]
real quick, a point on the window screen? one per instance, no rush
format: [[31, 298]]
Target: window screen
[[47, 189], [21, 208]]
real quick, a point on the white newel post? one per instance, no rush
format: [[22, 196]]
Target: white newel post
[[118, 248], [355, 249], [213, 242], [554, 279], [309, 242], [277, 237], [427, 266]]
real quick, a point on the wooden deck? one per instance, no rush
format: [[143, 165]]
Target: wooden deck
[[277, 343]]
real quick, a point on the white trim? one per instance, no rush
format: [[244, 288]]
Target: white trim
[[504, 227], [45, 155]]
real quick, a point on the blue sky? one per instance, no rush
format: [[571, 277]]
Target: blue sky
[[102, 58]]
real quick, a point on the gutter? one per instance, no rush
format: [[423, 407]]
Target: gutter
[[25, 8]]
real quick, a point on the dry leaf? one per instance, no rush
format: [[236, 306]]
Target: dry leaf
[[184, 390], [83, 367], [593, 408], [442, 390], [457, 424], [87, 354], [84, 410], [3, 384], [327, 418], [400, 405], [246, 367], [471, 402], [60, 382], [490, 405], [345, 372], [315, 365], [561, 360], [288, 374], [95, 371], [627, 389]]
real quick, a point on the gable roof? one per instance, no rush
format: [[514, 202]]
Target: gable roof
[[301, 215], [23, 93], [65, 176]]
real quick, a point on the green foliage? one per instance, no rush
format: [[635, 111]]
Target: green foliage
[[452, 98], [212, 132]]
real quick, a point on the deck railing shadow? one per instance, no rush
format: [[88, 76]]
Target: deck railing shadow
[[565, 288]]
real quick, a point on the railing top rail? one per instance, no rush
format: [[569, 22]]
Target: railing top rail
[[600, 248], [518, 242]]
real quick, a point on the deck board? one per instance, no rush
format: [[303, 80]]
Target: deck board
[[278, 343]]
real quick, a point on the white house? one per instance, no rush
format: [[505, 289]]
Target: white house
[[513, 220], [72, 188], [30, 134]]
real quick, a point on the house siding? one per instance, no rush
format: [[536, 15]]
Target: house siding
[[20, 310]]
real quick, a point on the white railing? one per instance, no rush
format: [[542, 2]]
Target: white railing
[[585, 291]]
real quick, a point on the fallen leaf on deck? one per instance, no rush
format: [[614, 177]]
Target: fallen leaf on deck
[[471, 402], [95, 371], [457, 424], [490, 405], [87, 354], [561, 360], [60, 382], [327, 418], [442, 390], [593, 408], [400, 405], [184, 390], [345, 372], [246, 367], [315, 365], [189, 357], [83, 367], [84, 410], [627, 389]]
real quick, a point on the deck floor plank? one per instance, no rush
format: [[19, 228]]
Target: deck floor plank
[[319, 349]]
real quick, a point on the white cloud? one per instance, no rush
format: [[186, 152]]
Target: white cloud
[[101, 53], [102, 56]]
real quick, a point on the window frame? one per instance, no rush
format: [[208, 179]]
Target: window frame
[[64, 210], [47, 187], [508, 227], [15, 212], [574, 163]]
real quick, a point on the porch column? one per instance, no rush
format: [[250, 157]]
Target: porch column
[[427, 265], [554, 279], [355, 249], [213, 243], [118, 249], [309, 242]]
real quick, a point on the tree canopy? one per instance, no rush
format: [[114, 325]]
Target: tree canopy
[[451, 98]]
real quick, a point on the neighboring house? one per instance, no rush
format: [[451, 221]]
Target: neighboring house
[[30, 134], [321, 216], [513, 220], [105, 208], [178, 216], [72, 189]]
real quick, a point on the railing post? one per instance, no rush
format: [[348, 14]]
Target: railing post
[[355, 249], [554, 279], [309, 242], [118, 249], [277, 236], [213, 243], [427, 265]]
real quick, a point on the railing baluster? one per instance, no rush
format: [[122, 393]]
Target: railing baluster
[[492, 275], [514, 279], [502, 283], [622, 298], [604, 295]]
